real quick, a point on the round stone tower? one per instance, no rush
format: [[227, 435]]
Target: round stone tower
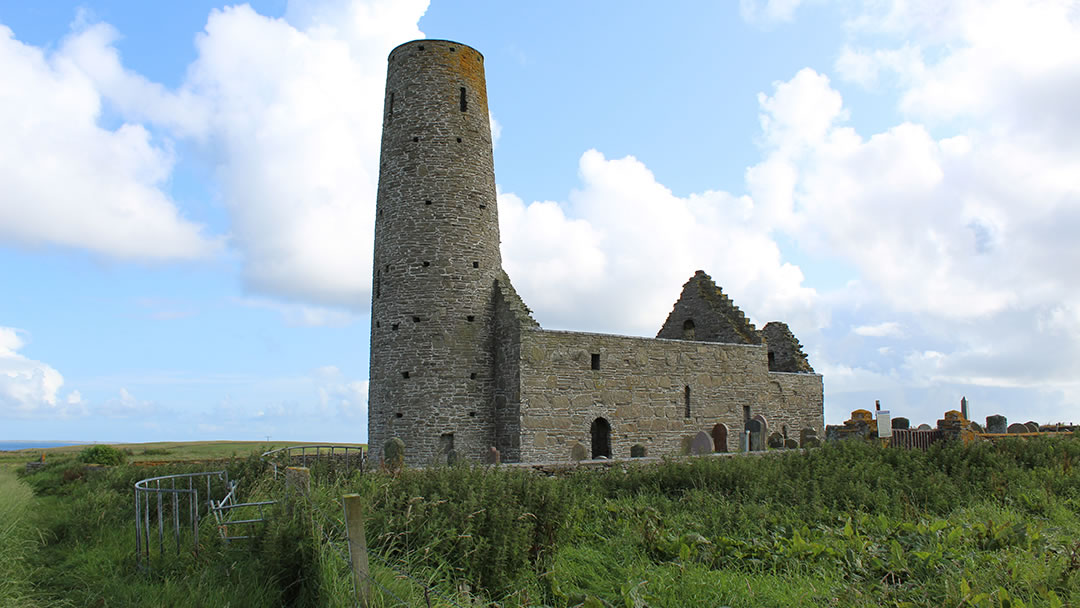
[[436, 258]]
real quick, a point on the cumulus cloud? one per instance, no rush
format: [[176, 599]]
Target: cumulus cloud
[[294, 117], [615, 255], [27, 387], [960, 219], [69, 181], [286, 109]]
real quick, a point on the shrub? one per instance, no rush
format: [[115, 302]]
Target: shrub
[[102, 454]]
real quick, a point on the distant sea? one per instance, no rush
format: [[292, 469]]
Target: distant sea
[[8, 446]]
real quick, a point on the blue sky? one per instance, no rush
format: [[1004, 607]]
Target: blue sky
[[187, 196]]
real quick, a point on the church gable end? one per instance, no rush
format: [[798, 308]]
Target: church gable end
[[705, 314]]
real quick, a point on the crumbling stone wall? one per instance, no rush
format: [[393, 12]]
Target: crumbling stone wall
[[785, 352]]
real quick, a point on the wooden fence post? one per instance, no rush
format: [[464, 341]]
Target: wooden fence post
[[354, 524]]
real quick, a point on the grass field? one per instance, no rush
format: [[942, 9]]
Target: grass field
[[161, 451], [848, 524]]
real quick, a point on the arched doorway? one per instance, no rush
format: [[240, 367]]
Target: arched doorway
[[719, 437], [601, 438]]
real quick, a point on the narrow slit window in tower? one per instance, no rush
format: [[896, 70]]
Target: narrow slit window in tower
[[391, 112], [596, 361], [464, 102], [378, 284], [686, 395]]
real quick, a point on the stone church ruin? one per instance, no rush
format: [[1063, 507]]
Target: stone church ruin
[[458, 364]]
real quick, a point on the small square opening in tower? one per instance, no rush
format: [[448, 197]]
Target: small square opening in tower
[[476, 264], [470, 318], [595, 361], [405, 375]]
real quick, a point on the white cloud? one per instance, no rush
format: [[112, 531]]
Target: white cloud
[[27, 387], [69, 181], [288, 110], [615, 256], [295, 110], [888, 329]]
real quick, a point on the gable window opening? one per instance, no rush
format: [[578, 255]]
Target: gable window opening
[[688, 332], [686, 394]]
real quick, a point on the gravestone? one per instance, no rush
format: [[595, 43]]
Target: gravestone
[[975, 426], [719, 437], [791, 444], [775, 441], [997, 424], [493, 456], [923, 427], [811, 442], [577, 452], [1032, 426], [451, 457], [394, 453], [637, 451], [756, 429], [1016, 427], [803, 434], [901, 423], [702, 444]]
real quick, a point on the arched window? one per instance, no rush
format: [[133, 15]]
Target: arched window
[[688, 330]]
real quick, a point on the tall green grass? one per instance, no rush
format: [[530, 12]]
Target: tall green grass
[[849, 524], [16, 541]]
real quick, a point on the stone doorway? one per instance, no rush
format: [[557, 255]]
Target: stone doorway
[[719, 437], [601, 438]]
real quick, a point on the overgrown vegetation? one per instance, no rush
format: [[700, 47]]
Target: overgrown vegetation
[[102, 454], [849, 524]]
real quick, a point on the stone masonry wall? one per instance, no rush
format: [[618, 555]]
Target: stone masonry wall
[[511, 315], [640, 389], [436, 257], [796, 401]]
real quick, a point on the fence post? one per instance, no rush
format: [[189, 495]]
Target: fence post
[[358, 557]]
